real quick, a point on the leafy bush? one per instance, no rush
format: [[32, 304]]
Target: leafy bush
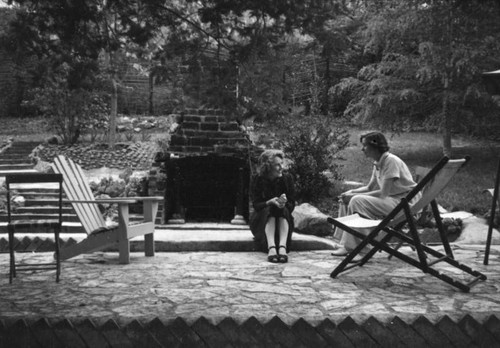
[[70, 112], [311, 142], [128, 186]]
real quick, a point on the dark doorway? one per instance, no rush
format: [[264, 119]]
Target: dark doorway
[[208, 187]]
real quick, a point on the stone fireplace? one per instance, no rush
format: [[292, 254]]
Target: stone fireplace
[[208, 169]]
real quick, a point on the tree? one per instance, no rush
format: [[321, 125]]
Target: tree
[[88, 36], [462, 37], [421, 64], [249, 41]]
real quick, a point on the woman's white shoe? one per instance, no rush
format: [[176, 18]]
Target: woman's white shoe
[[339, 251]]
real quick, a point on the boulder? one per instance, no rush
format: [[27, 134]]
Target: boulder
[[310, 220], [146, 125], [475, 231], [54, 140]]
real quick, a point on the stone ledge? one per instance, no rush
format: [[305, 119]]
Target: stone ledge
[[192, 238]]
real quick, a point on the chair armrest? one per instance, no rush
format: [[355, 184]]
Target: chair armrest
[[106, 201], [146, 198]]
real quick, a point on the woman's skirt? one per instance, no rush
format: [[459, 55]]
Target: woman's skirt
[[258, 221]]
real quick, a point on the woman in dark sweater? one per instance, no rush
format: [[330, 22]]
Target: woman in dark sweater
[[273, 199]]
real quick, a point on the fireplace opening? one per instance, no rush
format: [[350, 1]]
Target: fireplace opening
[[208, 188]]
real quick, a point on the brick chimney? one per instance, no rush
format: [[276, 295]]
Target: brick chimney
[[208, 169]]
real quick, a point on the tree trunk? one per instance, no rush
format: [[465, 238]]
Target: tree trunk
[[446, 120], [113, 114], [447, 85], [114, 98], [151, 92]]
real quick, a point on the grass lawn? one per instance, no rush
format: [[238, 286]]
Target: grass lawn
[[425, 149]]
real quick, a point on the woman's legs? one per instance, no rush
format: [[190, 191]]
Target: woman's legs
[[283, 230], [270, 231], [370, 207], [283, 234]]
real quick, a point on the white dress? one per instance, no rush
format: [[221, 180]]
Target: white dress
[[389, 166]]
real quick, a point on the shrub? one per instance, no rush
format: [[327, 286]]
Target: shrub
[[128, 186], [71, 112], [311, 142]]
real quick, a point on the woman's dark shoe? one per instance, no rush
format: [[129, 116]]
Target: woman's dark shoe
[[272, 258], [283, 258]]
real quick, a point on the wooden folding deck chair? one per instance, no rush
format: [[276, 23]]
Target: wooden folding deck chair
[[495, 200], [19, 221], [430, 186], [100, 236]]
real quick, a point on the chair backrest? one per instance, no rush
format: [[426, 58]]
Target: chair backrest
[[421, 172], [432, 184], [16, 181], [494, 191], [437, 179], [77, 188]]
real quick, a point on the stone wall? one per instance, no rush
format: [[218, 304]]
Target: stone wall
[[136, 156]]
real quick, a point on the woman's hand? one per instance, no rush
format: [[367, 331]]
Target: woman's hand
[[278, 201], [346, 196], [282, 201]]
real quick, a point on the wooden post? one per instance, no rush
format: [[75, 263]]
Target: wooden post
[[238, 217], [177, 216]]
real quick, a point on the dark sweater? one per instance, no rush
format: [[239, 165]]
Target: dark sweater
[[263, 189]]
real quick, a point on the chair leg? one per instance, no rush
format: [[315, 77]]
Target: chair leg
[[12, 265], [366, 240], [492, 215], [440, 227], [490, 229], [124, 250], [149, 244], [58, 256]]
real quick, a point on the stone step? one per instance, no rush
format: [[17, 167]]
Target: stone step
[[206, 226], [30, 215], [15, 164], [10, 156], [42, 210], [25, 144], [71, 224], [169, 240], [8, 167], [70, 227]]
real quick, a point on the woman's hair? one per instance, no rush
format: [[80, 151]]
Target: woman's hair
[[266, 161], [376, 140]]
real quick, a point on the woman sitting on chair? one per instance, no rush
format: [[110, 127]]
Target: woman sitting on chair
[[273, 200], [391, 180]]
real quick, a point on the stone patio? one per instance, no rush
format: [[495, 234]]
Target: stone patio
[[204, 291], [240, 285]]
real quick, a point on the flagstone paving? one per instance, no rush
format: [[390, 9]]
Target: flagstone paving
[[240, 285], [238, 299]]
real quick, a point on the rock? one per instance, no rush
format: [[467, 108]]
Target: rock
[[43, 167], [146, 125], [123, 128], [310, 220], [54, 140], [19, 201], [475, 231]]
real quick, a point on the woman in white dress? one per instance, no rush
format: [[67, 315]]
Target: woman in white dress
[[391, 180]]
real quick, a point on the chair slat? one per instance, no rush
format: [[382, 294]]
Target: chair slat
[[76, 188], [71, 193], [87, 193]]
